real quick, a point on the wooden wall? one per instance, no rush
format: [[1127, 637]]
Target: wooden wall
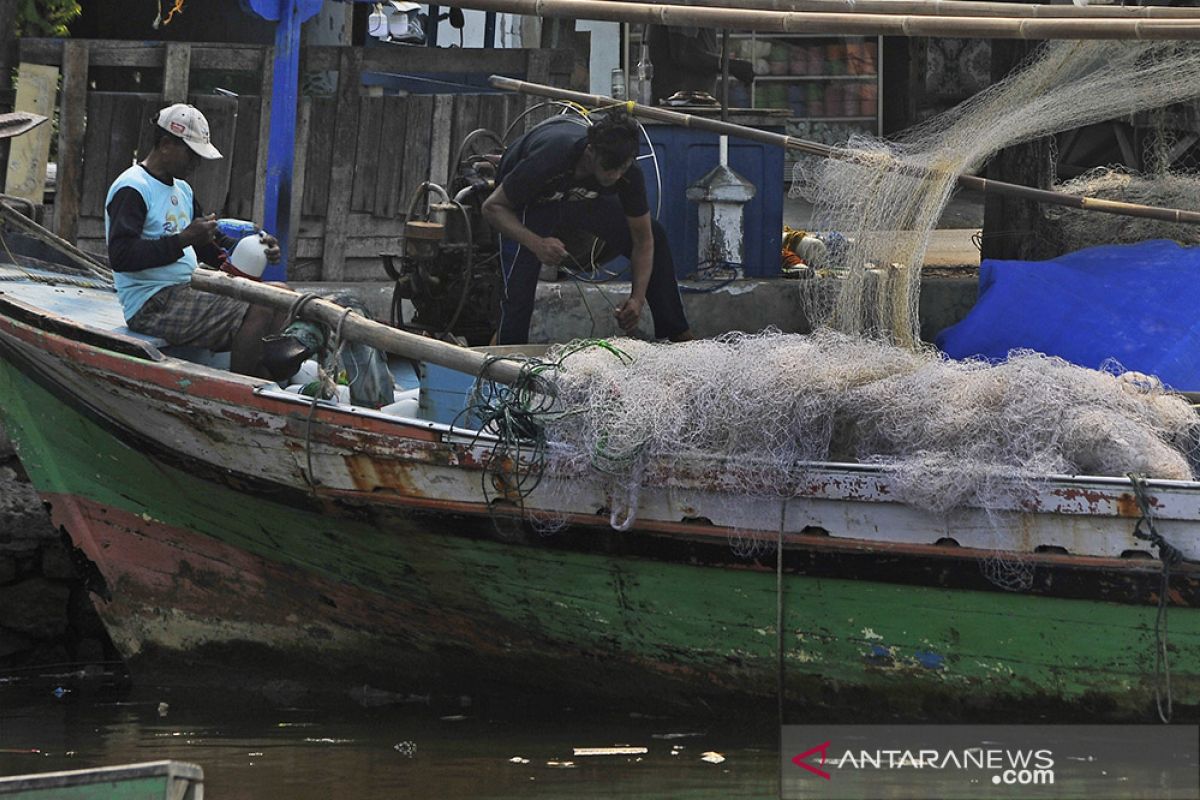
[[358, 158]]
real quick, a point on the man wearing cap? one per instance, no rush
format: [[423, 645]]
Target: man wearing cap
[[156, 236]]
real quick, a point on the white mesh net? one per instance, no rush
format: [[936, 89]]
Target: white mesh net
[[756, 414], [1075, 229], [887, 196], [957, 433]]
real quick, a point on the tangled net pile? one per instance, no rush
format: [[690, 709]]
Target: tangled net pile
[[959, 432], [751, 410], [1075, 229], [887, 196]]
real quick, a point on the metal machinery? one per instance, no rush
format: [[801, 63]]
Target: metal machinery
[[448, 266]]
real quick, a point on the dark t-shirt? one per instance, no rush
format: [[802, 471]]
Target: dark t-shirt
[[539, 168]]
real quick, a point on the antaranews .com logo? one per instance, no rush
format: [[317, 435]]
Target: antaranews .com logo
[[1008, 767], [944, 762]]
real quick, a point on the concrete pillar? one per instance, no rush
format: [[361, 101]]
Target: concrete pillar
[[721, 194]]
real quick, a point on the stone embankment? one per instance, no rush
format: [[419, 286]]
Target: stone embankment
[[46, 616]]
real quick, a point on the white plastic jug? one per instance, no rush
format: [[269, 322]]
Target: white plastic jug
[[249, 256]]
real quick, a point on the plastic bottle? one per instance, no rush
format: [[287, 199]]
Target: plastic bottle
[[645, 77], [236, 228], [618, 84]]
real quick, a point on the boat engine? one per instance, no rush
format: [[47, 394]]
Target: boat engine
[[448, 266]]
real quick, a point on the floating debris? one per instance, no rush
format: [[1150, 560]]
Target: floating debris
[[712, 758], [674, 735], [611, 751]]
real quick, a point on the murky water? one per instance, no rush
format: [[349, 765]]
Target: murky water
[[251, 749]]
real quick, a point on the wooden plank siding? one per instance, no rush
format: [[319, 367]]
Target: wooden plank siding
[[359, 158], [345, 156], [320, 157], [417, 148], [392, 148], [243, 169]]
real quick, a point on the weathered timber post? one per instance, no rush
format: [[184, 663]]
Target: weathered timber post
[[1011, 224], [8, 42], [73, 109], [176, 66]]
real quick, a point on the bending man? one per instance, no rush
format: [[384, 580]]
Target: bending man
[[566, 176]]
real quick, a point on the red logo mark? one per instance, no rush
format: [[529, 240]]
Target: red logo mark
[[177, 128], [801, 760]]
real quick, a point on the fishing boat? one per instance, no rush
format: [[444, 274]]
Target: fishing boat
[[169, 780], [232, 532]]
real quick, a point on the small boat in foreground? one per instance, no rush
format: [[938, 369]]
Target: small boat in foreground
[[168, 780]]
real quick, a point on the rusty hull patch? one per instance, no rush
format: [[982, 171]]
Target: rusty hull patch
[[1127, 505], [382, 475]]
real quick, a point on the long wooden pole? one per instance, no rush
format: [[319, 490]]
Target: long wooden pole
[[825, 151], [30, 228], [952, 8], [359, 328], [854, 24]]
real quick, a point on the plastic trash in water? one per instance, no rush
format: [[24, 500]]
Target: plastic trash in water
[[624, 750]]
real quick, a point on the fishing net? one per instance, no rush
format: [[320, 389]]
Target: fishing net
[[885, 197], [1074, 229], [752, 412]]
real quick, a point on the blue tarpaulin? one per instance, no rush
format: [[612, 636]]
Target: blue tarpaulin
[[1136, 304]]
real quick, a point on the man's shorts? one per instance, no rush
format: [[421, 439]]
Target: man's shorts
[[186, 316]]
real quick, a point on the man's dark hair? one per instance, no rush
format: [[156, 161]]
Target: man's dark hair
[[613, 138]]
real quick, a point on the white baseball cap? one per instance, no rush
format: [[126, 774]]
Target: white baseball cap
[[188, 124]]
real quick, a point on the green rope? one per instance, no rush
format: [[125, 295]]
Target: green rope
[[517, 415], [1168, 555]]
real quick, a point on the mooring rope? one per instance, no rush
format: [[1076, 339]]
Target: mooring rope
[[1169, 555], [779, 637], [328, 386]]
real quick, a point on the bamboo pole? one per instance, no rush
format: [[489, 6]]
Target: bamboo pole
[[952, 8], [825, 151], [358, 328], [853, 24], [30, 228]]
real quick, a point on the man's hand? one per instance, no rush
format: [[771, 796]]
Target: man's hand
[[201, 231], [629, 313], [741, 69], [549, 251], [273, 251]]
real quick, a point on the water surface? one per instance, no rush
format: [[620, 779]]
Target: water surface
[[253, 749]]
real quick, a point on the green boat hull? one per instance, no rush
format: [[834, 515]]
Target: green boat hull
[[215, 580]]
